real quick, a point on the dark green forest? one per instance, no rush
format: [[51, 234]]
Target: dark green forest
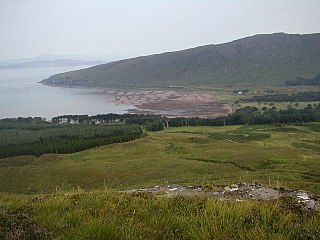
[[304, 81], [148, 121], [36, 137]]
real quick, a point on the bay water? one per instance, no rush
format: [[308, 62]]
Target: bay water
[[21, 95]]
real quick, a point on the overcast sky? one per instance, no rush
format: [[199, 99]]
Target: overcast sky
[[140, 27]]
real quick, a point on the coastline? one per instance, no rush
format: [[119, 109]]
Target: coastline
[[172, 103], [169, 103]]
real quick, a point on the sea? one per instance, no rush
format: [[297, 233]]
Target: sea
[[21, 95]]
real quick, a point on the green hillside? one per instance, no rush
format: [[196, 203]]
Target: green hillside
[[76, 196], [285, 156], [262, 59]]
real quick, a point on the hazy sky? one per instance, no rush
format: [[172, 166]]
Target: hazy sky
[[139, 27]]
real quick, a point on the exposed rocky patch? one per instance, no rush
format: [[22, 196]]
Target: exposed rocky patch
[[238, 192], [172, 103]]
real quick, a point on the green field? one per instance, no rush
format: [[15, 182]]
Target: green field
[[225, 95], [287, 156], [76, 196]]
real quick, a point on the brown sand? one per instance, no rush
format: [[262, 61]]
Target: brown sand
[[172, 103]]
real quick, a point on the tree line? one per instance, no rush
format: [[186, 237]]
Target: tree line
[[149, 121], [246, 115], [304, 81], [97, 119], [296, 97], [254, 116], [34, 136]]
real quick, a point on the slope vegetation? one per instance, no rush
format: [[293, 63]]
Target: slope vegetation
[[268, 59], [277, 156], [110, 215]]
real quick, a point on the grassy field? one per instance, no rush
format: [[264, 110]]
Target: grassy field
[[113, 215], [226, 95], [277, 156], [75, 196]]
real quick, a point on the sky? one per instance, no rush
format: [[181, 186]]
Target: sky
[[125, 28]]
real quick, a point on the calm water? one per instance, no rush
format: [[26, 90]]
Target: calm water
[[22, 95]]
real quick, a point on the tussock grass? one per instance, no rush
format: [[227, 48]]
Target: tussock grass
[[185, 155], [112, 215], [240, 136]]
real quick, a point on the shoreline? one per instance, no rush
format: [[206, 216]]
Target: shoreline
[[172, 103], [169, 103]]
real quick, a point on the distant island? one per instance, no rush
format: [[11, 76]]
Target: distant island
[[52, 63], [261, 59]]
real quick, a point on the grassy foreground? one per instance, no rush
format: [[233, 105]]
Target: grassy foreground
[[286, 156], [114, 215]]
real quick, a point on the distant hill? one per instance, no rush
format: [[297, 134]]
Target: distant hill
[[263, 59], [53, 63], [52, 57]]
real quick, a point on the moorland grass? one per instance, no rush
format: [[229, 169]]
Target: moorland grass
[[113, 215], [63, 199], [185, 155]]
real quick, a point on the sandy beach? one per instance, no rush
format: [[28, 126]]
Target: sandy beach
[[172, 103]]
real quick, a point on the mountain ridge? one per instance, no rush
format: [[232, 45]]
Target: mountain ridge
[[263, 58], [51, 63]]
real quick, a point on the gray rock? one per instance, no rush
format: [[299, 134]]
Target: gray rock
[[310, 204]]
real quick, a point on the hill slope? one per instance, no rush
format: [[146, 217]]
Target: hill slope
[[269, 58], [281, 156]]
